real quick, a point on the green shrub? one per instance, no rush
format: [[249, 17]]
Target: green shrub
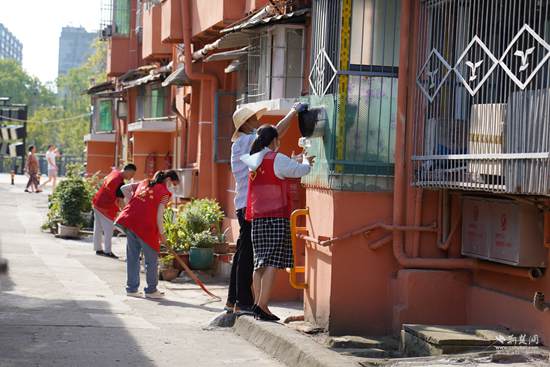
[[203, 239]]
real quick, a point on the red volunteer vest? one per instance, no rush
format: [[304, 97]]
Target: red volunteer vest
[[140, 215], [105, 200], [268, 195]]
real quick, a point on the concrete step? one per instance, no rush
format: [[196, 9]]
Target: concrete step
[[288, 345], [430, 340]]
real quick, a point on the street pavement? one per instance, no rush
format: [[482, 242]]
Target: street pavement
[[61, 305]]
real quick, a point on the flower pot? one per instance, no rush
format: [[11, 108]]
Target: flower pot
[[183, 256], [169, 274], [221, 248], [201, 258], [68, 231]]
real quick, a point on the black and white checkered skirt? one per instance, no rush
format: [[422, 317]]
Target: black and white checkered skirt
[[272, 243]]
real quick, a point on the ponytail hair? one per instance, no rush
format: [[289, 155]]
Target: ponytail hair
[[265, 135], [161, 176]]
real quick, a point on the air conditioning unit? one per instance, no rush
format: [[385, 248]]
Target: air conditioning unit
[[503, 231], [188, 181], [107, 32]]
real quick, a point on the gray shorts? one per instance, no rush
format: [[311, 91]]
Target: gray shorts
[[52, 172]]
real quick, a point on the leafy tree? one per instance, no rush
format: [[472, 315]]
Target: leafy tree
[[71, 102], [23, 88]]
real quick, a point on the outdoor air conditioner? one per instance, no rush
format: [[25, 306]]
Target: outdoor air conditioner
[[107, 32], [188, 179]]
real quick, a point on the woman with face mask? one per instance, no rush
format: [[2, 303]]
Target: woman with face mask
[[268, 207], [142, 221]]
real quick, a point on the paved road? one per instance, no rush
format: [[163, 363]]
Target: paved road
[[61, 305]]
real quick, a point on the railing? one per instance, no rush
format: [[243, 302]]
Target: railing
[[482, 102], [8, 164]]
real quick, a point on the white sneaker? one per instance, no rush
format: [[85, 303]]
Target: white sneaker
[[155, 295], [137, 294]]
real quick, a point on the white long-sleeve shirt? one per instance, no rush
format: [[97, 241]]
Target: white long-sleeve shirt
[[283, 166], [129, 190]]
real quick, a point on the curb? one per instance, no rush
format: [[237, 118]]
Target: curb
[[288, 346]]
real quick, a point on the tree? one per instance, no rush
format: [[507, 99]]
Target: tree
[[72, 107], [23, 88]]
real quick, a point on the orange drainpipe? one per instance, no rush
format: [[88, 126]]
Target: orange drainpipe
[[202, 77]]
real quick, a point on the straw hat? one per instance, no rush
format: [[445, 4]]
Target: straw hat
[[241, 116]]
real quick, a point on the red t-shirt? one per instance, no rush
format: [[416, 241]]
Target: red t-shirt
[[105, 200], [140, 215]]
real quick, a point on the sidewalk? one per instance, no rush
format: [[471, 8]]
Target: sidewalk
[[61, 305]]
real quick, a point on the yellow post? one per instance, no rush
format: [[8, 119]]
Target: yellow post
[[294, 229]]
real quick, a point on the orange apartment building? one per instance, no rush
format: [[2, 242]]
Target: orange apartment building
[[427, 203]]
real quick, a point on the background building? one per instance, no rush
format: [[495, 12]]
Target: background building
[[75, 46], [10, 47]]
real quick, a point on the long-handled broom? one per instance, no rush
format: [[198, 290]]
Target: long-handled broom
[[191, 274]]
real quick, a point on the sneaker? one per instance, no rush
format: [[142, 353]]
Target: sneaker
[[100, 253], [111, 255], [155, 295], [137, 294]]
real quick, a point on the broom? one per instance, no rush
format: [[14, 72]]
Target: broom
[[191, 274]]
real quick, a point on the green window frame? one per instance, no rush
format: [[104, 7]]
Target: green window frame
[[157, 102], [105, 123], [121, 17]]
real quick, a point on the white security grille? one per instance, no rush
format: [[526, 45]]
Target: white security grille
[[482, 102]]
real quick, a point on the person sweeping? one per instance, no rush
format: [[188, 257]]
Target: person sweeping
[[106, 205], [142, 221], [269, 208]]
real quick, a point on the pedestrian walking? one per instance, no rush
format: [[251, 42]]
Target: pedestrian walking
[[32, 169], [142, 221], [240, 297], [51, 155], [268, 208], [106, 204]]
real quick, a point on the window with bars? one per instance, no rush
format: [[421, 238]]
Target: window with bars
[[121, 17], [275, 63], [358, 87], [151, 102], [482, 96]]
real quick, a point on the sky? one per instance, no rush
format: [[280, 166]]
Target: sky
[[37, 24]]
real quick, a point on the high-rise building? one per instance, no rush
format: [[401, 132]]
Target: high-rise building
[[10, 47], [75, 46]]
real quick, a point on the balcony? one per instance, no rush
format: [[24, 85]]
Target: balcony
[[165, 124], [118, 56], [171, 22], [215, 14], [153, 48]]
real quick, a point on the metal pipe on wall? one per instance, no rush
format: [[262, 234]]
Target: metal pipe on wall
[[202, 77]]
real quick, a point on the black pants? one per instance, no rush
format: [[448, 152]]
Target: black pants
[[240, 284]]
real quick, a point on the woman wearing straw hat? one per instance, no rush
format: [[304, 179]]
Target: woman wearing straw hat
[[245, 119]]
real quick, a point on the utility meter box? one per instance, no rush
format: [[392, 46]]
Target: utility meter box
[[503, 231]]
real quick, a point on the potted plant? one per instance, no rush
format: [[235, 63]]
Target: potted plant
[[222, 247], [176, 235], [68, 204], [167, 270], [201, 254]]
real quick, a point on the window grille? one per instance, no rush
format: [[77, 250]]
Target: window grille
[[275, 63], [360, 94], [482, 96]]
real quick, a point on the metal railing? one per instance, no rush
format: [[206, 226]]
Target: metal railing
[[482, 100], [9, 164]]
